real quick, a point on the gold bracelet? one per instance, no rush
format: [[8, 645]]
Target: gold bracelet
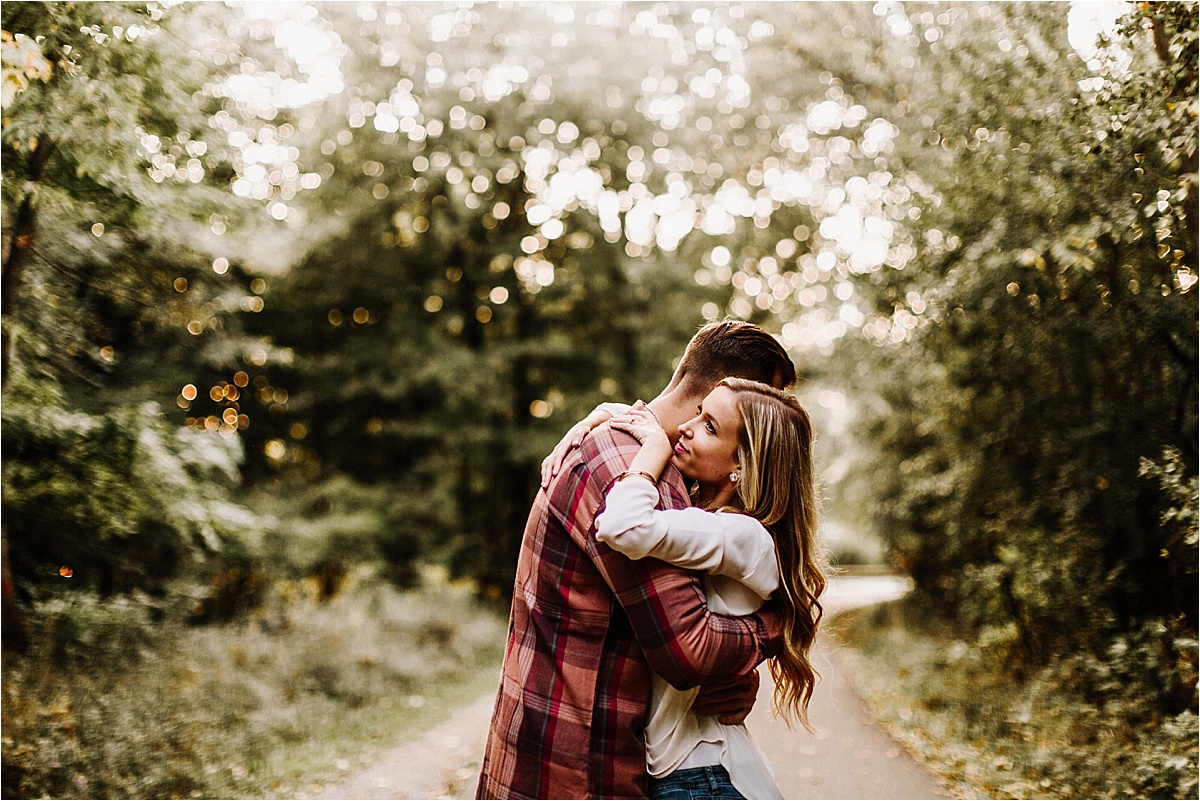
[[641, 473]]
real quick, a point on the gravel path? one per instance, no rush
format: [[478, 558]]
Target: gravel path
[[850, 756]]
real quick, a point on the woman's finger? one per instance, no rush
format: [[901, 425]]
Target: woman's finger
[[630, 429], [560, 456], [643, 416]]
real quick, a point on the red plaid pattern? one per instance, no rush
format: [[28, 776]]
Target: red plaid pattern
[[587, 627]]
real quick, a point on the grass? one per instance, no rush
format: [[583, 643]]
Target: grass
[[358, 741], [990, 735], [107, 704]]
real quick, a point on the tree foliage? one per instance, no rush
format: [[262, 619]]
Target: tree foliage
[[110, 299], [480, 290], [115, 502], [1040, 347]]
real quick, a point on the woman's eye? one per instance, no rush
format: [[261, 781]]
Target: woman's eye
[[710, 428]]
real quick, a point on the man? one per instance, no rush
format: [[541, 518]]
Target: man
[[589, 625]]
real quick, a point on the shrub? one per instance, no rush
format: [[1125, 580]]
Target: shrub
[[144, 710], [1120, 723], [117, 502]]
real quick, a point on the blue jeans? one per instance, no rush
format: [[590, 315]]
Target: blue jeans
[[689, 783]]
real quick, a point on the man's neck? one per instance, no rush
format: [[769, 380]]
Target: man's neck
[[673, 410]]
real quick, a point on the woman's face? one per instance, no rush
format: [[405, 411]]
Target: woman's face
[[707, 446]]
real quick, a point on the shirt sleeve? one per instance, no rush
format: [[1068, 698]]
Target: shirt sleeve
[[682, 640], [612, 407], [720, 543]]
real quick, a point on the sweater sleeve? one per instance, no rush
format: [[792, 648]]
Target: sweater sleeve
[[612, 407], [720, 543], [682, 639]]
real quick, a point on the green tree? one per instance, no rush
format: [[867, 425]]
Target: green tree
[[1039, 341], [448, 334], [111, 300]]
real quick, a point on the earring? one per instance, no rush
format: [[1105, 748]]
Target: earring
[[733, 478]]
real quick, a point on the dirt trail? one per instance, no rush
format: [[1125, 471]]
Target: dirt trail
[[850, 756], [442, 763]]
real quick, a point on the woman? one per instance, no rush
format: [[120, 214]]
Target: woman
[[753, 531]]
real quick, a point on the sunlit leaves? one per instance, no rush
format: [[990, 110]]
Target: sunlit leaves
[[686, 144], [22, 61]]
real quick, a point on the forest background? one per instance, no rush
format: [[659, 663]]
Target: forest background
[[297, 296]]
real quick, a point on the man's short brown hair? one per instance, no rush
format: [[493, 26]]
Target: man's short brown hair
[[732, 349]]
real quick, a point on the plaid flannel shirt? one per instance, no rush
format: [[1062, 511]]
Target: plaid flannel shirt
[[588, 625]]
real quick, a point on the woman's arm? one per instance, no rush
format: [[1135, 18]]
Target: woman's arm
[[725, 544], [683, 641], [656, 447], [721, 543]]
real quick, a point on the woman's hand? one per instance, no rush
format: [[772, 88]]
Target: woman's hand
[[655, 452], [643, 426], [570, 441]]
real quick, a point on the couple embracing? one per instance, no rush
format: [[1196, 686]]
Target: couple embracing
[[671, 550]]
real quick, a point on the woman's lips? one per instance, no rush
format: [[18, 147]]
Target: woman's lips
[[679, 448]]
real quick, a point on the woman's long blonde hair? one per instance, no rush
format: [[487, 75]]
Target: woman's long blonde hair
[[777, 487]]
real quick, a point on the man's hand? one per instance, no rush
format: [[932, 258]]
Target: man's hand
[[730, 700], [773, 624]]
